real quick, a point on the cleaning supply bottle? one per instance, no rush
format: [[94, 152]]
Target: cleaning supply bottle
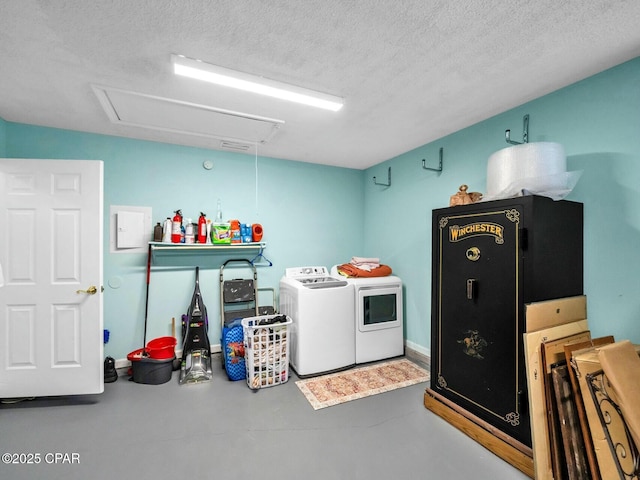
[[189, 236], [176, 227], [157, 233], [208, 231], [166, 231], [235, 231], [245, 232]]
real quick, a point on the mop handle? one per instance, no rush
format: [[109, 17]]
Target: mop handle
[[146, 303]]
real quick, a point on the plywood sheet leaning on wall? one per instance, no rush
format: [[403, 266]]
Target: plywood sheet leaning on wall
[[551, 313]]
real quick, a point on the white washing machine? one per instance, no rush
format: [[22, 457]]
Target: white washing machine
[[322, 332], [378, 316]]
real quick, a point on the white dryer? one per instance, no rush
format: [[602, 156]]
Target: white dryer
[[378, 316], [322, 332]]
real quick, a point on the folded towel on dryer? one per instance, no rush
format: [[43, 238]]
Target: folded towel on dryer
[[350, 270], [365, 263]]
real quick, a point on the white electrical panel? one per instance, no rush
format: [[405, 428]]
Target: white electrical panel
[[130, 229]]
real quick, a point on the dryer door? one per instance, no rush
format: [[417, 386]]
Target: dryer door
[[378, 308]]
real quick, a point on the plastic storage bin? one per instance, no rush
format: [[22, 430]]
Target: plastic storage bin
[[266, 350]]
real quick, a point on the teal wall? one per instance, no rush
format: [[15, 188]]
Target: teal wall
[[311, 214], [324, 215], [598, 122], [3, 138]]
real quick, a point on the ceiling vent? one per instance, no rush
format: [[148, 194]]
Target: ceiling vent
[[235, 146], [165, 114]]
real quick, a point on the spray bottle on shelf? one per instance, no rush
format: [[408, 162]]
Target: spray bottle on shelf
[[189, 236], [219, 213], [202, 228], [176, 227], [209, 230]]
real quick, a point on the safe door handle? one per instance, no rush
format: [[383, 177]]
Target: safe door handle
[[471, 288]]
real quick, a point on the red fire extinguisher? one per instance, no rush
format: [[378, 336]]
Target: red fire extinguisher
[[176, 226], [202, 228]]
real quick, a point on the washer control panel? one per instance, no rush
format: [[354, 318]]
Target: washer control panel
[[306, 272]]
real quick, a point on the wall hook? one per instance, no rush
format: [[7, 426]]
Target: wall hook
[[525, 132], [388, 184], [439, 169]]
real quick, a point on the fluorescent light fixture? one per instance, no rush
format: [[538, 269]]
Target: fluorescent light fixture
[[207, 72]]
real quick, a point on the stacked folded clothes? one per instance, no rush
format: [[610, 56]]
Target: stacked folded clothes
[[365, 263], [364, 267]]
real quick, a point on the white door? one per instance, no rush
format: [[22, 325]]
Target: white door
[[51, 338]]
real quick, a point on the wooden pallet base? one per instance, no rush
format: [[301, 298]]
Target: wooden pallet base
[[499, 447]]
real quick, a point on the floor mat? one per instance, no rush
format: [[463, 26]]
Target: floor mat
[[337, 388]]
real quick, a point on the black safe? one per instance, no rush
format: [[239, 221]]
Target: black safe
[[489, 260]]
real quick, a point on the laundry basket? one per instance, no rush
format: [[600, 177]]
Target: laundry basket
[[266, 350]]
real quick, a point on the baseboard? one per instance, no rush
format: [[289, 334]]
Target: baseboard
[[417, 348], [413, 350]]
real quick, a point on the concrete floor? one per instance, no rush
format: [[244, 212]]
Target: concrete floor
[[222, 429]]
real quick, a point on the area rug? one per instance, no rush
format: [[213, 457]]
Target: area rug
[[341, 387]]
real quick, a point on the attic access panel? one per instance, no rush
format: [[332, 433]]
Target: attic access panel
[[165, 114]]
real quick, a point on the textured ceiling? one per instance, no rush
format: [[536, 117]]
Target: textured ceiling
[[410, 71]]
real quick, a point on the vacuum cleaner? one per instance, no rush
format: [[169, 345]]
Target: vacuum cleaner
[[196, 350]]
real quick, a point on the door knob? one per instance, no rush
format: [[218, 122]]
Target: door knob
[[92, 290]]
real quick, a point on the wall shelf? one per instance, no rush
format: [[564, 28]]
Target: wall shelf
[[162, 249]]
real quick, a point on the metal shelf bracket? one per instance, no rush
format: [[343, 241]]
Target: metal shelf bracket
[[439, 169], [525, 132], [388, 184]]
